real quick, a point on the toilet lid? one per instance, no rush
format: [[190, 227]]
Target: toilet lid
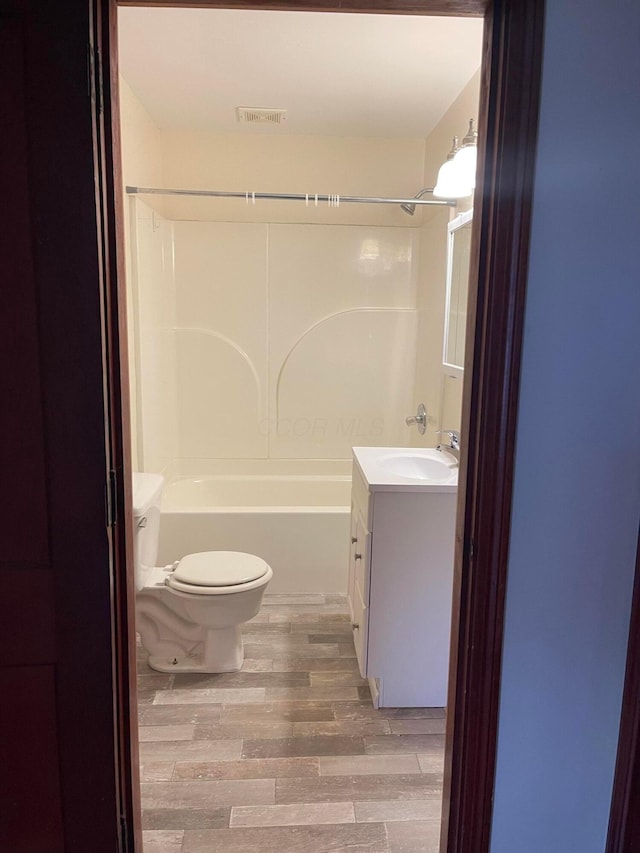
[[220, 568]]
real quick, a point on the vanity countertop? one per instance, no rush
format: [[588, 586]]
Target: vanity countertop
[[407, 469]]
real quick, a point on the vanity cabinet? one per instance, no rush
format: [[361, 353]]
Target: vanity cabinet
[[400, 587]]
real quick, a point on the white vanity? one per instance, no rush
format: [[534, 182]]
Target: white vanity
[[403, 511]]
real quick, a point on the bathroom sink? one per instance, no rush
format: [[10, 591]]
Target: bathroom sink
[[414, 469], [418, 467]]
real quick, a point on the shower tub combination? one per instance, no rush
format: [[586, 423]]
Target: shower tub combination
[[296, 519]]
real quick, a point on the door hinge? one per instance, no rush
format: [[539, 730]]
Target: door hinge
[[111, 501], [94, 76]]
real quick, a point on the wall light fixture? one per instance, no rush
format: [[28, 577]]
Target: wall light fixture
[[457, 175]]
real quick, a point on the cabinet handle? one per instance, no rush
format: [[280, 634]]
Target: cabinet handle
[[355, 626], [354, 539], [358, 556]]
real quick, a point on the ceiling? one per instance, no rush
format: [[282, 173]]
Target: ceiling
[[335, 74]]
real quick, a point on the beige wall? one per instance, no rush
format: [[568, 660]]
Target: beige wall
[[141, 141], [441, 394], [297, 164]]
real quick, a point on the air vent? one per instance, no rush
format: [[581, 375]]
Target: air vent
[[261, 115]]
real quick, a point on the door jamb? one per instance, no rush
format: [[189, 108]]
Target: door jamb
[[510, 94], [109, 201], [508, 119]]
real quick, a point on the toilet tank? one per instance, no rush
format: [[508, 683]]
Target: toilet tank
[[147, 494]]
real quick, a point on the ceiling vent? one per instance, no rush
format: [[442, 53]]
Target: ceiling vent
[[261, 115]]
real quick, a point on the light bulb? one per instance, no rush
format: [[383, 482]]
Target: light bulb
[[467, 156], [451, 182], [465, 161]]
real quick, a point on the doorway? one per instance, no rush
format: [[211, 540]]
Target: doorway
[[492, 306], [272, 331]]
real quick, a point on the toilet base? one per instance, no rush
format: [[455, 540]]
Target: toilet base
[[222, 651]]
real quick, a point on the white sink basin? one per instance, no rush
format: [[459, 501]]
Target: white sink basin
[[407, 468], [418, 467]]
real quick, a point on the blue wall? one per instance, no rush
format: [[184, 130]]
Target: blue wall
[[577, 485]]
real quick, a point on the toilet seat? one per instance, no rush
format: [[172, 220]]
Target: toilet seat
[[218, 573]]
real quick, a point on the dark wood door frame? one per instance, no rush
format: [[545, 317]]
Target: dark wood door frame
[[624, 820], [509, 112], [109, 188], [508, 119], [66, 749]]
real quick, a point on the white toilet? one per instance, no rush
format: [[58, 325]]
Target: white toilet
[[189, 614]]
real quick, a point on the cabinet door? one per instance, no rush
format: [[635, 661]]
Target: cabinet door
[[360, 630], [352, 566], [360, 563]]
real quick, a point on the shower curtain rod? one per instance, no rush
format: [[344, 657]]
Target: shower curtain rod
[[308, 198]]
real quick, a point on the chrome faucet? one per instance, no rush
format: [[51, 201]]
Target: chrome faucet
[[454, 442], [419, 419]]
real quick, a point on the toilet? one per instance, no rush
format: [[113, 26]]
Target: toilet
[[189, 614]]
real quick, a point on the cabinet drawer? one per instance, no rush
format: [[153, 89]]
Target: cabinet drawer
[[361, 497]]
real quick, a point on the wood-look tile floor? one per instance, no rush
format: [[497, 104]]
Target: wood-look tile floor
[[288, 754]]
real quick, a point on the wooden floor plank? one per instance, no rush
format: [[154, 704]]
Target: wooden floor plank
[[288, 754]]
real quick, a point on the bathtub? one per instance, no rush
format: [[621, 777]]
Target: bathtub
[[297, 522]]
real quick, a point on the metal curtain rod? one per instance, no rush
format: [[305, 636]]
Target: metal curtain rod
[[308, 198]]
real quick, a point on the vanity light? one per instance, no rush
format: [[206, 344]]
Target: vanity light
[[451, 181], [457, 175], [466, 157]]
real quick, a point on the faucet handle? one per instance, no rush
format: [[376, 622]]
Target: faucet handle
[[453, 434], [420, 419]]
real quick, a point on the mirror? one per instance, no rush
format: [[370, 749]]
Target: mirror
[[455, 322]]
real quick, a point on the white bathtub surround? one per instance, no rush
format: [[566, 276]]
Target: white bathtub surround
[[221, 339], [152, 314], [342, 337], [295, 519], [245, 328]]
